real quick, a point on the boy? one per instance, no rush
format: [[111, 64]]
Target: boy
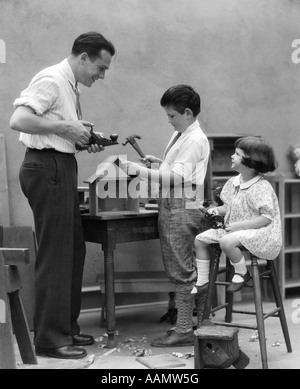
[[181, 176]]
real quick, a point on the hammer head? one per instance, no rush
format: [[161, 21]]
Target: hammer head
[[131, 139]]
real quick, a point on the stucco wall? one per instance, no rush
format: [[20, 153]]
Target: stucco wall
[[236, 53]]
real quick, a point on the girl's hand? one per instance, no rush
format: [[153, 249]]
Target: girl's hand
[[213, 211], [232, 227]]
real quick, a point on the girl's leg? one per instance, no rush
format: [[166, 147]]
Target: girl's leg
[[203, 264], [230, 246]]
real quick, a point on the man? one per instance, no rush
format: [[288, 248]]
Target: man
[[48, 114]]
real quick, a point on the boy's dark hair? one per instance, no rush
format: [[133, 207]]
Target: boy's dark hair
[[259, 154], [92, 43], [181, 97]]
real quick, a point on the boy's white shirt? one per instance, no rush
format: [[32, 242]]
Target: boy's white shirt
[[192, 146]]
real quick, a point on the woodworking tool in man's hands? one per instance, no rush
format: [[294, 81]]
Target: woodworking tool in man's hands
[[99, 140]]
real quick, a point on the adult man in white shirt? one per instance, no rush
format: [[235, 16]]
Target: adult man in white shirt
[[48, 117]]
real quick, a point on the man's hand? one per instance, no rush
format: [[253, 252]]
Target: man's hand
[[25, 120], [95, 148], [82, 138], [76, 132]]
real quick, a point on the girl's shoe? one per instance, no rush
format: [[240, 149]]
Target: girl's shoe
[[236, 286], [189, 297], [200, 290]]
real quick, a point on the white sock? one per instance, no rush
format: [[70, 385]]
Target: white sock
[[239, 267], [202, 273]]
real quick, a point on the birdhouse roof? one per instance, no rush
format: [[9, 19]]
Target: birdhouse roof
[[110, 170]]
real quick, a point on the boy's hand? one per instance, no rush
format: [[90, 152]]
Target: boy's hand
[[149, 159], [128, 166]]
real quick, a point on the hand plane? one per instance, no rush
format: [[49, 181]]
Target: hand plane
[[99, 140]]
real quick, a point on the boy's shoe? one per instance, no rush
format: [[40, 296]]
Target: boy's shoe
[[236, 286], [174, 339]]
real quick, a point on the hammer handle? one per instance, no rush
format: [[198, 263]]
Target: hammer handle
[[137, 148]]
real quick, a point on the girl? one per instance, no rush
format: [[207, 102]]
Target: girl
[[251, 215]]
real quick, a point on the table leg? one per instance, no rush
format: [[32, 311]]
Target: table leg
[[110, 287]]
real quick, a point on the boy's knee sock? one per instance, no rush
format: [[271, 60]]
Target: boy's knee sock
[[185, 309], [239, 267], [200, 305], [202, 273]]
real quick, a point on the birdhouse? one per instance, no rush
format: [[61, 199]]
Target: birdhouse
[[217, 347], [111, 189]]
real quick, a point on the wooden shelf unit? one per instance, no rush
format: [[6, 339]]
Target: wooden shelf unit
[[289, 261]]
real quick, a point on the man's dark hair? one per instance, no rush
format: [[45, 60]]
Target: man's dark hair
[[92, 43], [181, 97], [259, 154]]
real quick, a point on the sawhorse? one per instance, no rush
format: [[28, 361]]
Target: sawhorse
[[12, 315]]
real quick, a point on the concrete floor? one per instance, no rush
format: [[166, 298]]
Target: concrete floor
[[137, 325]]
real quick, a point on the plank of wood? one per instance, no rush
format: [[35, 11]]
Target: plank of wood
[[162, 361], [4, 200]]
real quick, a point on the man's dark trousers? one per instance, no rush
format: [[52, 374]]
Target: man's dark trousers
[[49, 181]]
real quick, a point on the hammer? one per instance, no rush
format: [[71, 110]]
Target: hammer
[[131, 139]]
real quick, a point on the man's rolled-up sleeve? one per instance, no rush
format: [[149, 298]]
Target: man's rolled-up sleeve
[[40, 95]]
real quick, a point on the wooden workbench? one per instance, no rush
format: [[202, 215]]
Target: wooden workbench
[[109, 229]]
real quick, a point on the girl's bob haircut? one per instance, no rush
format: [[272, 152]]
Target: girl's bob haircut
[[259, 154]]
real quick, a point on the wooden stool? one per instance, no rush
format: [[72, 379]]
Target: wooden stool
[[269, 274], [217, 347], [12, 312]]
